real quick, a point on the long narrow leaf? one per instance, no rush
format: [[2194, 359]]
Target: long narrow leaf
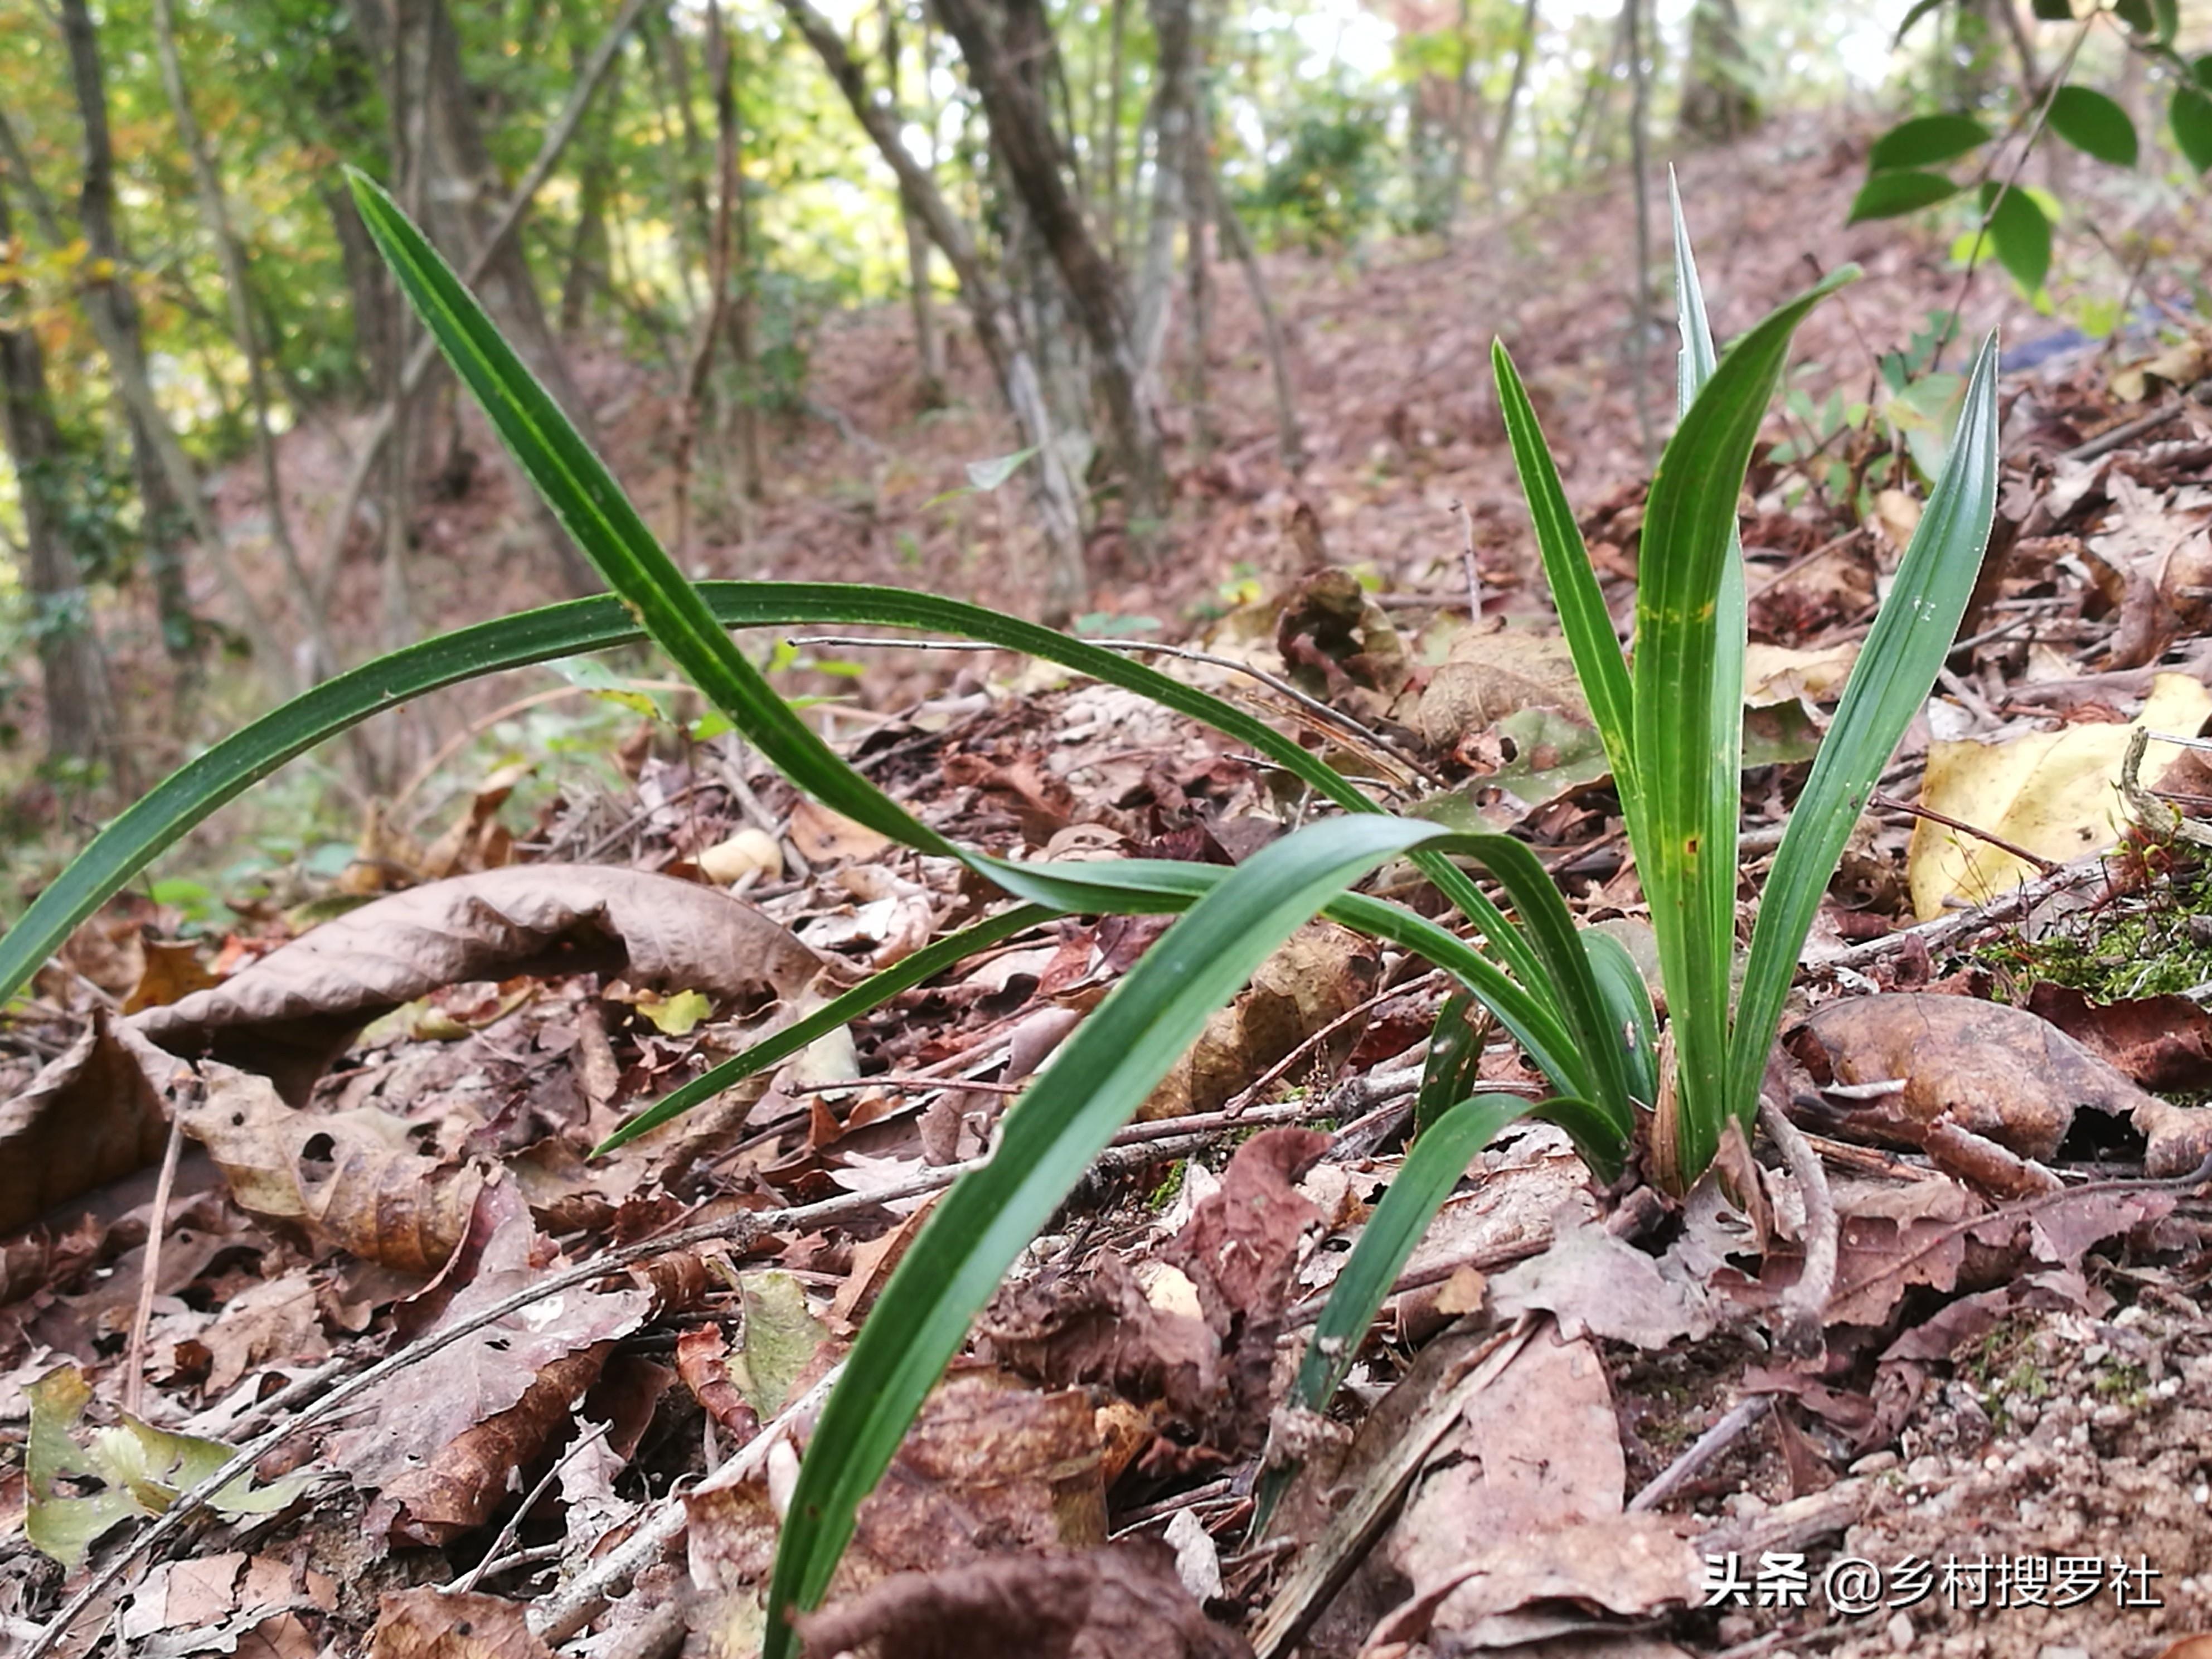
[[1903, 654], [1583, 618], [1628, 1001], [1679, 741], [592, 507], [865, 997], [1731, 619], [1431, 1168], [584, 496], [196, 790], [1050, 1137]]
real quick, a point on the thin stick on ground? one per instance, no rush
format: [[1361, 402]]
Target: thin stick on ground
[[1805, 1304], [149, 1274], [1708, 1446]]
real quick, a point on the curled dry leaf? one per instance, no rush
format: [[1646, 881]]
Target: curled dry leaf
[[1108, 1603], [226, 1603], [430, 1622], [491, 1370], [355, 1180], [290, 1014], [468, 1479], [93, 1115], [1591, 1281], [1320, 974], [1992, 1071]]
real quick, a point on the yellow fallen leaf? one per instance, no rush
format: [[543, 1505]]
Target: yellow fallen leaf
[[2055, 794]]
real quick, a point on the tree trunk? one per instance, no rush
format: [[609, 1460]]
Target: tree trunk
[[929, 350], [588, 250], [1171, 124], [460, 191], [158, 494], [1524, 49], [1021, 138], [1718, 104], [1057, 499], [338, 528], [215, 210], [79, 714], [1110, 138], [1289, 432]]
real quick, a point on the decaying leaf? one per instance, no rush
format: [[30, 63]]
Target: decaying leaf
[[356, 1180], [1519, 1517], [1322, 973], [1110, 1603], [226, 1603], [989, 1466], [432, 1623], [2160, 1042], [2054, 793], [140, 1469], [488, 1371], [1590, 1281], [288, 1015], [93, 1115], [1993, 1072]]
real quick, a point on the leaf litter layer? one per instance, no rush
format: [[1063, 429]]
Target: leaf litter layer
[[1125, 1377]]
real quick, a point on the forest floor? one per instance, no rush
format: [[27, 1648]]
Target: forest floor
[[1591, 1422]]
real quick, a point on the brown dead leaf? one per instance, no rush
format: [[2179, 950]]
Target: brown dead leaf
[[288, 1015], [1099, 1327], [1993, 1072], [988, 1466], [824, 837], [430, 1622], [476, 840], [1121, 1603], [93, 1115], [1489, 676], [490, 1370], [355, 1180], [468, 1479], [2159, 1042], [702, 1361], [1592, 1281], [1319, 974], [173, 970], [1339, 645], [226, 1603]]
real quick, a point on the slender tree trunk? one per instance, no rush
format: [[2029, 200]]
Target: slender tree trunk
[[928, 349], [1055, 495], [1639, 117], [338, 529], [1524, 50], [669, 40], [80, 713], [214, 208], [375, 335], [1171, 123], [460, 188], [1111, 143], [588, 247], [158, 493], [687, 215], [1718, 104], [1289, 430], [718, 269], [1463, 103], [1022, 137]]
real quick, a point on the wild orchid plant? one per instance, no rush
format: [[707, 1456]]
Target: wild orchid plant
[[1670, 722]]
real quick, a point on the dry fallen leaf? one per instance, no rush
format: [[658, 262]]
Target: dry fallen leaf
[[490, 1371], [92, 1116], [1122, 1603], [288, 1015], [2054, 793], [432, 1623], [1319, 974], [355, 1181], [1992, 1071]]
